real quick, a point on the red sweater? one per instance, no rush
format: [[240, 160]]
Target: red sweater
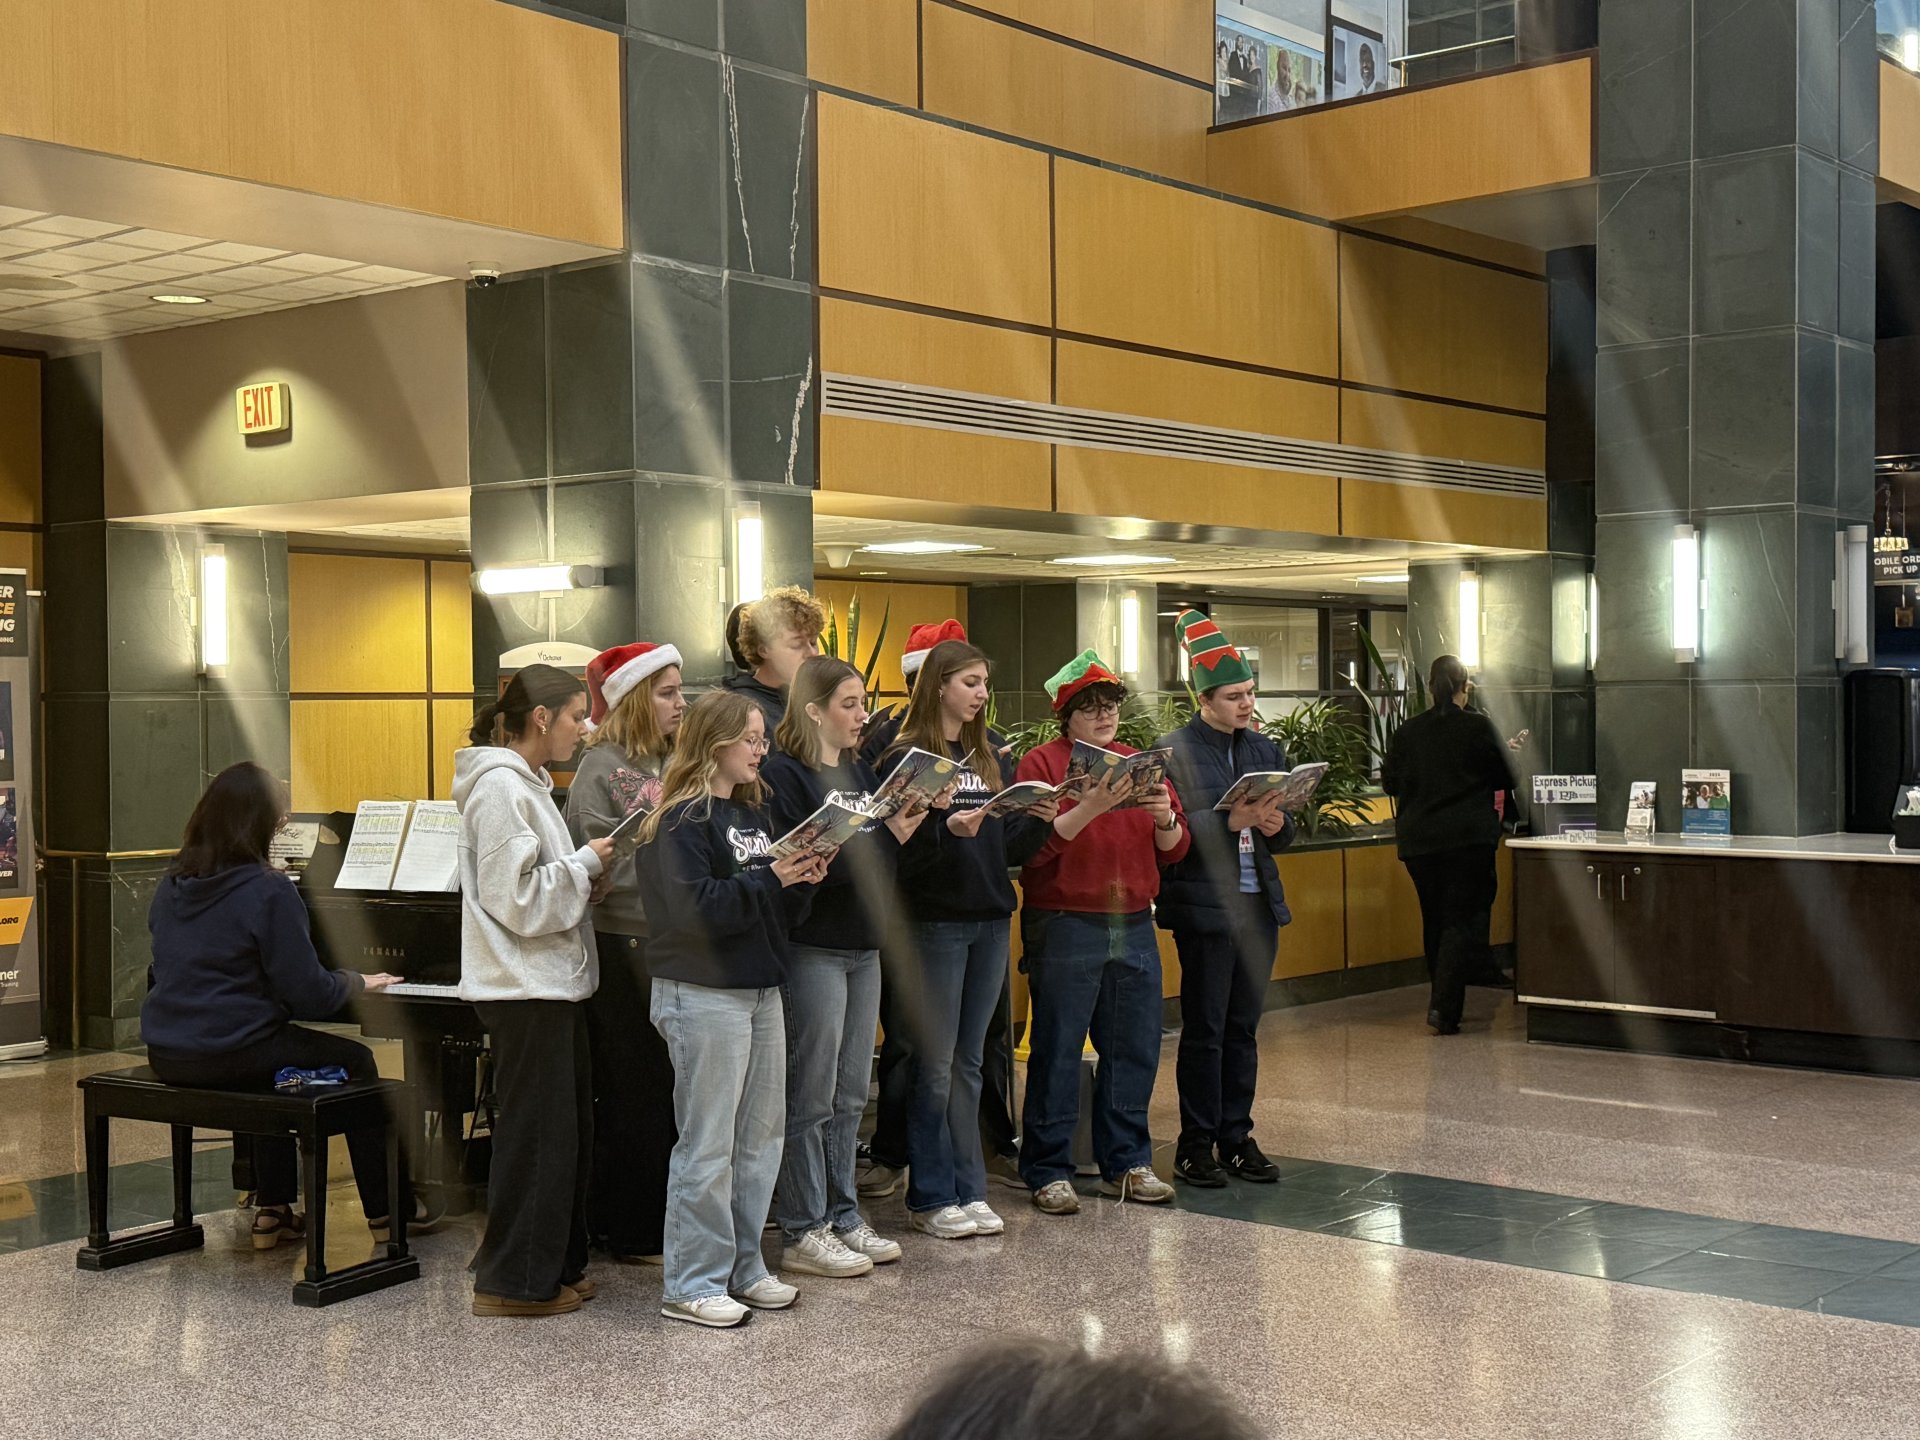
[[1112, 867]]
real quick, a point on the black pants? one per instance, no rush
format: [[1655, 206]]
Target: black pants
[[536, 1236], [1223, 991], [1456, 889], [633, 1130], [898, 996], [276, 1159]]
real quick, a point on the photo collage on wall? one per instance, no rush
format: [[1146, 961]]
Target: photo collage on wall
[[1273, 56], [1260, 74]]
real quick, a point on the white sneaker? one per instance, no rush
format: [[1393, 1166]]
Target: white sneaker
[[950, 1223], [984, 1220], [1139, 1184], [865, 1240], [767, 1293], [820, 1252], [721, 1312]]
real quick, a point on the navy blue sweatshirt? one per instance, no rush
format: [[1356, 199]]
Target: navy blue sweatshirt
[[946, 877], [233, 963], [850, 906], [717, 915]]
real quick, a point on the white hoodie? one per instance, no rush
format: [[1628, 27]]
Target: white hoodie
[[524, 927]]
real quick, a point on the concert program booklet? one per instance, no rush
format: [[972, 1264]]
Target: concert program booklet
[[919, 774], [1295, 786], [1018, 799], [1090, 764], [823, 832]]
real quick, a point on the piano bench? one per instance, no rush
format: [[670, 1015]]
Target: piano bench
[[312, 1117]]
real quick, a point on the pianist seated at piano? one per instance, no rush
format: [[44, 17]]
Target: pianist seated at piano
[[233, 969]]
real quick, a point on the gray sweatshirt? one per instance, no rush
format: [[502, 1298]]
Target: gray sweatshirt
[[525, 932], [609, 786]]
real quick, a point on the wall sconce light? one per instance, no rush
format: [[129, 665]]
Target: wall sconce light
[[537, 579], [215, 638], [1593, 619], [749, 555], [1852, 588], [1687, 603], [1130, 635], [1470, 618]]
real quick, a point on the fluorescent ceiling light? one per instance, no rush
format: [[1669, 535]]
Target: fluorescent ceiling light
[[535, 579], [1130, 635], [179, 299], [1384, 579], [921, 547], [1112, 560]]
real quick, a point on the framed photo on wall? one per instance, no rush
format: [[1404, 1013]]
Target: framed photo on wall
[[1357, 61]]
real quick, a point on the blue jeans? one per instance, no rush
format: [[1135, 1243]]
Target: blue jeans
[[833, 1007], [729, 1050], [1098, 973], [963, 964]]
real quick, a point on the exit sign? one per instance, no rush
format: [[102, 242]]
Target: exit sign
[[261, 408]]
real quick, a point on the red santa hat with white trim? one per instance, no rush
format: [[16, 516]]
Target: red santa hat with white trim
[[612, 675], [920, 642]]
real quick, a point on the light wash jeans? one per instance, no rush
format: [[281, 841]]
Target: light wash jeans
[[833, 1010], [963, 966], [729, 1050]]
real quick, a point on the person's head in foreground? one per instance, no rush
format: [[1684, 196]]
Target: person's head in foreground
[[1028, 1389]]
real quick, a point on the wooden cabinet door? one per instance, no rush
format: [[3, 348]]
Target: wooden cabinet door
[[1563, 927], [1666, 933]]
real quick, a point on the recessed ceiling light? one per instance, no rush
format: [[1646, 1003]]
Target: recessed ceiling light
[[1112, 560], [871, 574], [14, 280], [920, 547], [178, 299], [1383, 579]]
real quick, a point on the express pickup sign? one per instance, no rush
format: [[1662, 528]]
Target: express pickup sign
[[262, 409]]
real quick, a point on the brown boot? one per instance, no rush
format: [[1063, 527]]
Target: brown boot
[[567, 1301]]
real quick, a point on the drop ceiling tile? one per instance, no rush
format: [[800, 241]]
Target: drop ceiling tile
[[238, 301], [142, 273], [247, 277], [286, 294], [184, 264], [11, 216], [328, 285], [106, 252], [237, 254], [20, 242], [386, 275], [159, 240], [216, 283], [57, 261], [72, 225], [310, 264]]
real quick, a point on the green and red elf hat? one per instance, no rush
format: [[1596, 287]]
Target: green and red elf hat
[[1211, 658], [1076, 675]]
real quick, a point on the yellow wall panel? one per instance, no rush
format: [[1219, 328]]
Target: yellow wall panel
[[1426, 427], [451, 721], [904, 604], [1152, 487], [358, 625], [1175, 35], [1378, 510], [20, 550], [1383, 912], [1434, 235], [1127, 382], [1900, 128], [346, 751], [1522, 129], [886, 344], [19, 439], [1316, 941], [873, 457], [1162, 266], [912, 210], [452, 626], [1015, 83], [392, 102], [1501, 932], [1414, 321], [868, 46]]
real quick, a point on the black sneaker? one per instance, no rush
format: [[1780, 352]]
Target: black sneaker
[[1441, 1026], [1198, 1167], [1246, 1161]]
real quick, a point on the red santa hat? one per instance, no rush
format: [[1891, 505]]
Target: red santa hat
[[612, 675], [920, 642]]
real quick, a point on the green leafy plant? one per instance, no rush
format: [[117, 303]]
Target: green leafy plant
[[831, 638], [1323, 730], [1387, 709]]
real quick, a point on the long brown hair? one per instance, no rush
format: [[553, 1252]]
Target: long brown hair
[[1446, 679], [634, 724], [234, 822], [813, 684], [925, 726], [713, 722]]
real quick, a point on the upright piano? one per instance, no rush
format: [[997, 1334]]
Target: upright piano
[[415, 935]]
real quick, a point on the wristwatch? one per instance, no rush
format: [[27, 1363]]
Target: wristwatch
[[1173, 823]]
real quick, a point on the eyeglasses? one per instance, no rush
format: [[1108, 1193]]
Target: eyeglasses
[[760, 746], [1100, 709]]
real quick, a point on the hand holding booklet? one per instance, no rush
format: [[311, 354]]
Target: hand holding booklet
[[1018, 799], [823, 832], [1294, 787], [1089, 764], [919, 775]]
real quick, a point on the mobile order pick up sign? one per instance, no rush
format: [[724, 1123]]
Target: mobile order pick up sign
[[22, 1030]]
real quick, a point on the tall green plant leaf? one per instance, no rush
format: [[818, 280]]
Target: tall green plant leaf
[[830, 637], [879, 643]]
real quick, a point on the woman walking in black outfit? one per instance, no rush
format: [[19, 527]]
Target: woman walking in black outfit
[[1444, 768]]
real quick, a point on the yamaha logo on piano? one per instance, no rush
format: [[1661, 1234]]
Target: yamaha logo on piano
[[384, 952]]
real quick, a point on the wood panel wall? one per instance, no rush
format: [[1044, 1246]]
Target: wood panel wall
[[381, 665], [905, 604], [20, 516], [469, 109]]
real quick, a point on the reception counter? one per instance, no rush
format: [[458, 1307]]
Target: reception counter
[[1771, 949]]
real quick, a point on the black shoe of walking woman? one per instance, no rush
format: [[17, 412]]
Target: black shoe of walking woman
[[1441, 1027]]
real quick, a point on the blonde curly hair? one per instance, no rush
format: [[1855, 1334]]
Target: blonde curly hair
[[782, 609]]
